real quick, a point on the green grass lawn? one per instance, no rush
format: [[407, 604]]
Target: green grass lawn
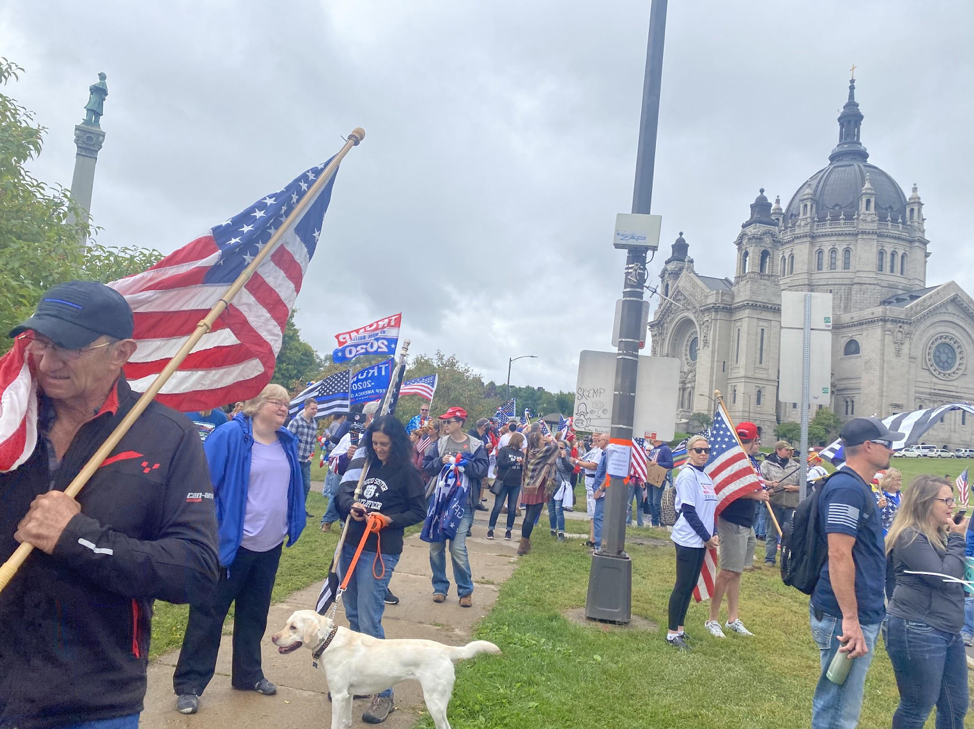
[[556, 673]]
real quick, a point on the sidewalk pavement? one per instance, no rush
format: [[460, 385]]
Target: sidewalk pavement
[[301, 699]]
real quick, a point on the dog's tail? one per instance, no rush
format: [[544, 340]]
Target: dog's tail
[[471, 649]]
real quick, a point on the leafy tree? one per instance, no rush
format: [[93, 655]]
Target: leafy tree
[[297, 362], [699, 422], [791, 432], [825, 426], [40, 246]]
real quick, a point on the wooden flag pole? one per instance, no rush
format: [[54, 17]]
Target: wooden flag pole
[[720, 404], [9, 568]]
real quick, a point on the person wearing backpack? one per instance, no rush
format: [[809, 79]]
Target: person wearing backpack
[[847, 604]]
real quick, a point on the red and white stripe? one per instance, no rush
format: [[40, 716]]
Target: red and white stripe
[[733, 475], [708, 574], [18, 407], [233, 361], [637, 464]]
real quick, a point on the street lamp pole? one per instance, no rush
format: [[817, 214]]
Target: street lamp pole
[[610, 578], [510, 361]]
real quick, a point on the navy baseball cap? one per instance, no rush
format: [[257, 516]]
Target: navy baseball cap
[[76, 313], [858, 430]]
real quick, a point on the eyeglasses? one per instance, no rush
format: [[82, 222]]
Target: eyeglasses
[[38, 347], [888, 444], [949, 501], [277, 403], [701, 450]]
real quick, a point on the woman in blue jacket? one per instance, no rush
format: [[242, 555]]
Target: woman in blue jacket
[[259, 494]]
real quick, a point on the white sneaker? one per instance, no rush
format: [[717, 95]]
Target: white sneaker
[[714, 627], [738, 627]]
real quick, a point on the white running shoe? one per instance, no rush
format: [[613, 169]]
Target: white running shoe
[[738, 627], [714, 627]]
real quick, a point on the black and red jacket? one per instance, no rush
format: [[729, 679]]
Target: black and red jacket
[[74, 626]]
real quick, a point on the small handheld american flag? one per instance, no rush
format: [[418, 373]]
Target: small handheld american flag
[[963, 489], [637, 464]]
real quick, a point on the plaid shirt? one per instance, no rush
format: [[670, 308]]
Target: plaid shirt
[[306, 434]]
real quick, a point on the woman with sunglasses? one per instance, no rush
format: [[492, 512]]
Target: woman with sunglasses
[[925, 616], [259, 495], [694, 532]]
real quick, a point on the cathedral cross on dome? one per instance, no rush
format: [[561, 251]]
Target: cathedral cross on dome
[[853, 72]]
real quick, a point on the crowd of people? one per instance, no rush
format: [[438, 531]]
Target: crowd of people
[[171, 517]]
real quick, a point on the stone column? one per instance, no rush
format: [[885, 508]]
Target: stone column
[[88, 140]]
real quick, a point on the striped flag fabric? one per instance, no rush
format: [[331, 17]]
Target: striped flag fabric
[[680, 454], [422, 386], [637, 463], [913, 425], [18, 407], [235, 360], [963, 489], [331, 394], [733, 474]]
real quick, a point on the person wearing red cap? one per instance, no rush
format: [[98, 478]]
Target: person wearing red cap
[[736, 544], [453, 442]]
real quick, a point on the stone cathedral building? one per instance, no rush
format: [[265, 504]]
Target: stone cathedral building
[[897, 343]]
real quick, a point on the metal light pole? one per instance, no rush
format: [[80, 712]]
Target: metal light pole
[[510, 361], [610, 578]]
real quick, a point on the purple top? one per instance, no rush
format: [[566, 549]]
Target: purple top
[[265, 520]]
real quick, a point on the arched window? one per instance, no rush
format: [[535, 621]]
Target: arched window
[[744, 257], [881, 261], [782, 266], [820, 260], [903, 265], [911, 215], [805, 209], [852, 406], [666, 289], [851, 348], [734, 396], [791, 264], [892, 262], [765, 261], [833, 259], [869, 204], [846, 259], [757, 397]]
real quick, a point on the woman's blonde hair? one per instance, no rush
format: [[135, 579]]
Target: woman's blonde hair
[[515, 442], [271, 392], [914, 513], [694, 440], [890, 474]]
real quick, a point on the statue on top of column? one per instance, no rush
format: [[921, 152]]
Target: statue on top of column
[[96, 101]]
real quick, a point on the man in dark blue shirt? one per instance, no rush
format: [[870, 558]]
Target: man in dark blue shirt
[[847, 605]]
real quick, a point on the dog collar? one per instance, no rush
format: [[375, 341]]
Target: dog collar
[[323, 646]]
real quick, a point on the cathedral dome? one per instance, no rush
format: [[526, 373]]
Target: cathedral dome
[[835, 189]]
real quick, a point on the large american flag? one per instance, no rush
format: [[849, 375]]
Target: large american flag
[[422, 386], [733, 475], [637, 463], [18, 407], [235, 360], [506, 411], [331, 394]]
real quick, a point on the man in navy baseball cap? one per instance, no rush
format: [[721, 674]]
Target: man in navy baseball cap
[[860, 430], [74, 314]]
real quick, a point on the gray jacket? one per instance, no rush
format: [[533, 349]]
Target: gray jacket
[[924, 598]]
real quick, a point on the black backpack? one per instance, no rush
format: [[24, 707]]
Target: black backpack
[[804, 548]]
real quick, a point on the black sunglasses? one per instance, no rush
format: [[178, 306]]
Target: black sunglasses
[[701, 450]]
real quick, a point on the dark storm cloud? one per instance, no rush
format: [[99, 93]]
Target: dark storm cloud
[[500, 141]]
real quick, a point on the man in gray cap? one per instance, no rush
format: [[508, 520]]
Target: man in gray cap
[[77, 616], [847, 606]]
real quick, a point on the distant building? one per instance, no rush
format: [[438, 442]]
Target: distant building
[[898, 344]]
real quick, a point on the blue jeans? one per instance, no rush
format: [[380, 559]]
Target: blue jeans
[[638, 492], [556, 514], [122, 722], [968, 630], [655, 499], [597, 521], [761, 525], [332, 482], [838, 707], [510, 494], [783, 514], [931, 669], [461, 563], [306, 478], [364, 599]]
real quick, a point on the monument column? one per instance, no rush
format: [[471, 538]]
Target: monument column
[[88, 138]]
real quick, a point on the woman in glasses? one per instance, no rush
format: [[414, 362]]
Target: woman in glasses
[[695, 530], [259, 494], [926, 613]]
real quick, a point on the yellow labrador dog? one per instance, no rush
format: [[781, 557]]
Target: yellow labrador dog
[[360, 664]]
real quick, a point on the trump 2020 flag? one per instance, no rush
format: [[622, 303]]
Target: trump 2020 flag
[[235, 359], [379, 337], [18, 407]]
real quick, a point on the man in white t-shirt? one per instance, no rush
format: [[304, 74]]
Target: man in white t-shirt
[[589, 463]]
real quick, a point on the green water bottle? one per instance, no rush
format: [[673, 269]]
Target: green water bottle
[[839, 668]]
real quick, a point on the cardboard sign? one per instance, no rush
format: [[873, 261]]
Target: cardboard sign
[[655, 475]]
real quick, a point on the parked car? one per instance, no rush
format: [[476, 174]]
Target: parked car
[[909, 452], [964, 453], [940, 453]]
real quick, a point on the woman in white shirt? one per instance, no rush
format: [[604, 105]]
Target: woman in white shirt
[[694, 532]]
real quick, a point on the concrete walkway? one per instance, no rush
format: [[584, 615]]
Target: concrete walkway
[[301, 699]]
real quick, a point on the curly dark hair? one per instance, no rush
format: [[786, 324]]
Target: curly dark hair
[[400, 455]]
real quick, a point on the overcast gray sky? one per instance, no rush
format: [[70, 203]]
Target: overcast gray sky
[[501, 140]]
